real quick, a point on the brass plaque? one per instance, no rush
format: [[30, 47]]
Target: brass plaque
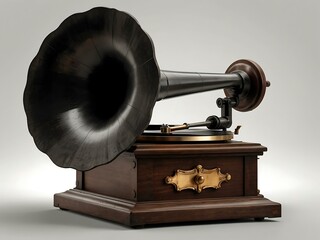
[[198, 179]]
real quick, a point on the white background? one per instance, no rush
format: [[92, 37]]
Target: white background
[[204, 36]]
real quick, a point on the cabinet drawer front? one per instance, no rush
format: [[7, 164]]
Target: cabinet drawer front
[[152, 176]]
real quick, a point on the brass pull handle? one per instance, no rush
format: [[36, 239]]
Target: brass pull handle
[[198, 179]]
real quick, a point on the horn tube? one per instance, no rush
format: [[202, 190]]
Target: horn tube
[[93, 84], [244, 80]]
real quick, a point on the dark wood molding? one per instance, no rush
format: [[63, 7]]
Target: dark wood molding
[[132, 213]]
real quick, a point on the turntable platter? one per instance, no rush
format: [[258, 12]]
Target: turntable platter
[[153, 134]]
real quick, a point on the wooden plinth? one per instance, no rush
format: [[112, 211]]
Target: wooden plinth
[[132, 190]]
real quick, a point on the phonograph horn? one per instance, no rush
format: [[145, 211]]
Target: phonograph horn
[[93, 84]]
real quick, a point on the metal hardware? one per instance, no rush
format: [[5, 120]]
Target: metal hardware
[[236, 131], [212, 122], [198, 179]]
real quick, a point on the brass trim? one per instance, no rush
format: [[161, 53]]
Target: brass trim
[[176, 138], [197, 179]]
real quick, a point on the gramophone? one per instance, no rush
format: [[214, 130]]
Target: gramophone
[[89, 97]]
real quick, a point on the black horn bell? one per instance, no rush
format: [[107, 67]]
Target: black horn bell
[[84, 95]]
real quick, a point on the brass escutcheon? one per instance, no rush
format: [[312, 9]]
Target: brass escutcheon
[[198, 179]]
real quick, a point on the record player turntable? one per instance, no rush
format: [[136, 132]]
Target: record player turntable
[[89, 98]]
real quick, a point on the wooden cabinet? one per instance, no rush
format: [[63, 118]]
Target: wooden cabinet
[[132, 189]]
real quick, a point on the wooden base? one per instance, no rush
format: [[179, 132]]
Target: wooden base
[[133, 191], [172, 211]]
